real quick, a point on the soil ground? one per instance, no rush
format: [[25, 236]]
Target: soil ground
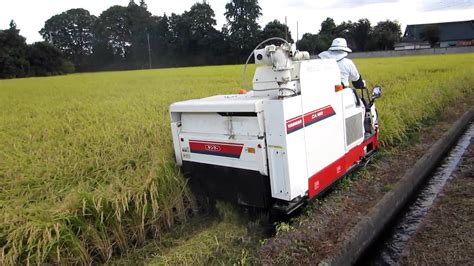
[[446, 236], [325, 223]]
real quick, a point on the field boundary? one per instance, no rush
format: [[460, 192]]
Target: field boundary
[[397, 53], [430, 51], [370, 226]]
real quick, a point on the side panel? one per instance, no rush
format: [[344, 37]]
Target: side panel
[[324, 178], [323, 116], [286, 148]]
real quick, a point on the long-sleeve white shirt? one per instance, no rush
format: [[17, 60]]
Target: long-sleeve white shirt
[[348, 71]]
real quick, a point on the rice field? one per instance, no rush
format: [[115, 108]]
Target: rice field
[[86, 160]]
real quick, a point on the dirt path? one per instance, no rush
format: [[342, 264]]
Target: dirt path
[[446, 236], [317, 233]]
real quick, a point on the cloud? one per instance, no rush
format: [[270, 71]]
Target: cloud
[[336, 4], [359, 3], [303, 4], [442, 5]]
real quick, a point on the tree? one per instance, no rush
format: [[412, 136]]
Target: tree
[[308, 43], [205, 41], [192, 38], [123, 31], [202, 19], [242, 26], [72, 33], [361, 34], [46, 60], [201, 22], [313, 43], [112, 28], [344, 30], [13, 49], [17, 59], [180, 31], [13, 26], [161, 40], [139, 21], [430, 33], [316, 43], [326, 34], [386, 34], [276, 29], [327, 27]]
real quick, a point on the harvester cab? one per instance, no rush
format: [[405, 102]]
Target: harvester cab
[[282, 143]]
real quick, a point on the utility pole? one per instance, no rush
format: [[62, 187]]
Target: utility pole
[[286, 29], [297, 31], [149, 49], [414, 37]]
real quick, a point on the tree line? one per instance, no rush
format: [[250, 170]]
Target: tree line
[[360, 36], [130, 37], [18, 59]]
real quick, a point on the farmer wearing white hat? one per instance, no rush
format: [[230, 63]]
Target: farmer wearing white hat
[[339, 52]]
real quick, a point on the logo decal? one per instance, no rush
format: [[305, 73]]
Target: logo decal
[[224, 149], [214, 148], [294, 124]]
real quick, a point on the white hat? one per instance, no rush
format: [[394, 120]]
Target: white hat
[[339, 44]]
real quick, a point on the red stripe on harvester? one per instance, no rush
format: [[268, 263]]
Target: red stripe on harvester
[[309, 118], [294, 124], [233, 150], [324, 178], [318, 115]]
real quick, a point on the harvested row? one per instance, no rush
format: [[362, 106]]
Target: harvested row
[[86, 165]]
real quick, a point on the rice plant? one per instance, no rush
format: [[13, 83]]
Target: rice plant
[[86, 160]]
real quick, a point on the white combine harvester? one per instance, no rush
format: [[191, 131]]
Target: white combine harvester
[[281, 144]]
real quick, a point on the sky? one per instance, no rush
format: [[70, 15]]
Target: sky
[[30, 15]]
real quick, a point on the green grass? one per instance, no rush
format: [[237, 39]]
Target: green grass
[[86, 160]]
